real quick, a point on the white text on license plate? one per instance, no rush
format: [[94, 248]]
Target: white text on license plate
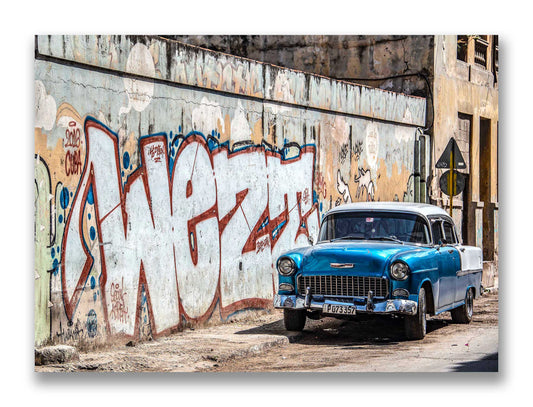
[[338, 309]]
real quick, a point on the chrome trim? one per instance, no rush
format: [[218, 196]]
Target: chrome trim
[[286, 287], [460, 273], [400, 292], [370, 301], [405, 276], [307, 300], [395, 306], [293, 266], [342, 265], [343, 285]]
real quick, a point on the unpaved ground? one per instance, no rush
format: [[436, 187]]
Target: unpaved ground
[[197, 349], [380, 346], [261, 344]]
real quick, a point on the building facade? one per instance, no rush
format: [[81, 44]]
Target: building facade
[[465, 92]]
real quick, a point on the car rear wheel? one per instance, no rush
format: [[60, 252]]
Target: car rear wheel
[[294, 319], [415, 326], [464, 313]]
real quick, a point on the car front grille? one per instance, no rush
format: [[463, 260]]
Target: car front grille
[[343, 286]]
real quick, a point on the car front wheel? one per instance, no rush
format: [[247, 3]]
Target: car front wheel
[[294, 319], [463, 314], [415, 326]]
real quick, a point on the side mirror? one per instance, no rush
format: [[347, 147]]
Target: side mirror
[[310, 240]]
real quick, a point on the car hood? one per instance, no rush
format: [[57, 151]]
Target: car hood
[[368, 258]]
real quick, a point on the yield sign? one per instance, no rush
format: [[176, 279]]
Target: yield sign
[[451, 152]]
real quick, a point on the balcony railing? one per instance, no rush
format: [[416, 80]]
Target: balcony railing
[[480, 52]]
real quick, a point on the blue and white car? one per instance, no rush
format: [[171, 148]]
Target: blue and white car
[[381, 258]]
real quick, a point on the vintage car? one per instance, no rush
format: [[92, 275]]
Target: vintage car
[[381, 258]]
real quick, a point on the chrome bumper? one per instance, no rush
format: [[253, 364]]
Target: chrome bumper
[[396, 306]]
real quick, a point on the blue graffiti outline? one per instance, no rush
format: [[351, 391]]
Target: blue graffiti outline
[[177, 140], [209, 140]]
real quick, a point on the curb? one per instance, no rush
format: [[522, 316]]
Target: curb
[[259, 348], [253, 350]]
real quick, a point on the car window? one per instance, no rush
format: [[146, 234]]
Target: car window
[[448, 233], [436, 230], [405, 227]]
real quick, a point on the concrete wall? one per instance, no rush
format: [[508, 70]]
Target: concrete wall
[[168, 179], [337, 56], [397, 63]]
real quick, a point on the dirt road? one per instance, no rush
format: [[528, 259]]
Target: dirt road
[[379, 346], [257, 343]]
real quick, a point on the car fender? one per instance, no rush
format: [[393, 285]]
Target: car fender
[[476, 290], [431, 293]]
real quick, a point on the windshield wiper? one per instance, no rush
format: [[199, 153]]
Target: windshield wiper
[[391, 238], [348, 237]]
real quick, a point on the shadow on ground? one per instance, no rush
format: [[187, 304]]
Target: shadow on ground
[[488, 364], [346, 333]]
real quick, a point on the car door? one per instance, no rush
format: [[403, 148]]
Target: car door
[[452, 248], [471, 269], [446, 264]]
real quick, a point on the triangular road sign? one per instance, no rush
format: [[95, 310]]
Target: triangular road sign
[[445, 158]]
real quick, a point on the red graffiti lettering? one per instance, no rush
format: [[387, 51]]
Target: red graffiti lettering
[[262, 245], [306, 196], [201, 230], [72, 136], [72, 144], [119, 310], [321, 184], [73, 162], [156, 152]]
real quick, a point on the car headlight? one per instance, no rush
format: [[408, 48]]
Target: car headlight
[[286, 266], [399, 270]]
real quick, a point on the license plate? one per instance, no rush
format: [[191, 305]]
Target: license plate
[[338, 309]]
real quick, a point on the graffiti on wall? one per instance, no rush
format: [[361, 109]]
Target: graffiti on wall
[[364, 183], [139, 235], [72, 143], [44, 239], [144, 247], [171, 233], [343, 189]]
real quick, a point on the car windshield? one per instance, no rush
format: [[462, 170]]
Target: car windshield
[[364, 225]]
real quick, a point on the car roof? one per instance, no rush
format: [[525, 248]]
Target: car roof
[[413, 207]]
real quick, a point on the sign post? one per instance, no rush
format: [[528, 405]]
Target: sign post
[[452, 182]]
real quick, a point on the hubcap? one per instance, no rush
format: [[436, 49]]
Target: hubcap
[[423, 314], [469, 303]]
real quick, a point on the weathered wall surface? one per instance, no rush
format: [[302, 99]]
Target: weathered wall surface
[[337, 56], [466, 108], [168, 179]]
